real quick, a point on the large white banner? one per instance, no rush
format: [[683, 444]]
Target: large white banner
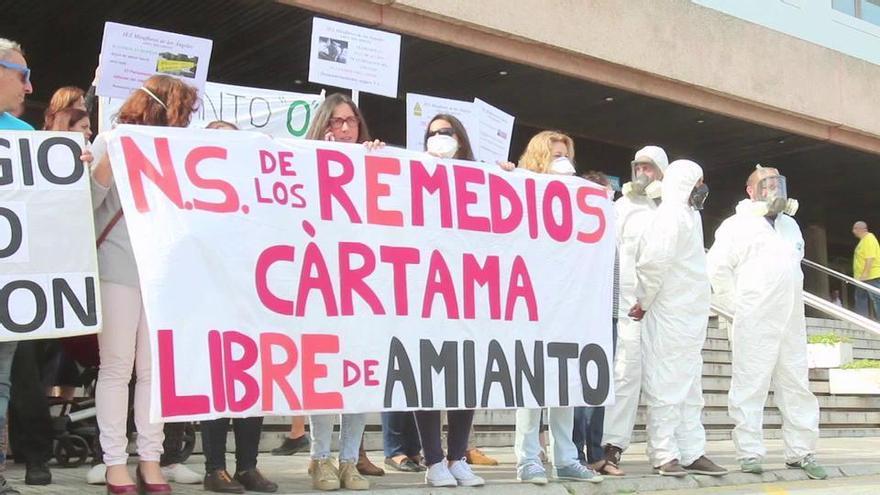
[[276, 113], [48, 266], [294, 276]]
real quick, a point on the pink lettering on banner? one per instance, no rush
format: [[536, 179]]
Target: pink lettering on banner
[[583, 194], [218, 381], [487, 274], [173, 404], [423, 182], [376, 166], [267, 258], [196, 157], [236, 370], [400, 258], [500, 189], [313, 345], [351, 280], [139, 166], [315, 277], [465, 197], [520, 287], [561, 231], [278, 373], [439, 283], [332, 187]]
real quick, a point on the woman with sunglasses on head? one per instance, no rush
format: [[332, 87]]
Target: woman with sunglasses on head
[[548, 152], [339, 119], [125, 343], [446, 137]]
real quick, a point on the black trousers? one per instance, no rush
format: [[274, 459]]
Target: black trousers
[[247, 442], [30, 426], [456, 440]]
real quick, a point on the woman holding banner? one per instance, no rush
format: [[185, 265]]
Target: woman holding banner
[[339, 119], [548, 152], [124, 343], [446, 137]]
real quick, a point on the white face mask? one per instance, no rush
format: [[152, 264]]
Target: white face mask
[[562, 166], [442, 146]]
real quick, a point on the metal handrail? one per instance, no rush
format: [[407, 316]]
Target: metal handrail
[[841, 276], [826, 307]]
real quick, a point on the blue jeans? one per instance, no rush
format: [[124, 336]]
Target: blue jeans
[[862, 296], [7, 352], [589, 422], [399, 434]]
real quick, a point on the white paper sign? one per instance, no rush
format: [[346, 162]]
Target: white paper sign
[[496, 130], [276, 113], [420, 109], [354, 57], [130, 55], [300, 276], [48, 265]]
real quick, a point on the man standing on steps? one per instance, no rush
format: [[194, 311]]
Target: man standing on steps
[[866, 267], [755, 270], [673, 296], [635, 211]]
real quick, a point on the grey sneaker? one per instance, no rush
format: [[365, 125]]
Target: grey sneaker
[[810, 466], [577, 472], [671, 468], [705, 467], [531, 472], [751, 466]]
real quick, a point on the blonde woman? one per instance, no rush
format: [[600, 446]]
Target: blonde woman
[[548, 152]]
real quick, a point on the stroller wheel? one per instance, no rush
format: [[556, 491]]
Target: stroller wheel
[[72, 451]]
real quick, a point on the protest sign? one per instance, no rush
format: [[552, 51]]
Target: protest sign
[[489, 129], [45, 203], [296, 276], [420, 109], [130, 55], [496, 130], [276, 113], [354, 57]]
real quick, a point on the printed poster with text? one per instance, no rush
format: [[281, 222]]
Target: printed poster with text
[[286, 276], [130, 55], [48, 267]]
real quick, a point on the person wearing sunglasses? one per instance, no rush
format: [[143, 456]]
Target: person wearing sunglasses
[[15, 83]]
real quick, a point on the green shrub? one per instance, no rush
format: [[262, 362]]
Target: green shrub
[[827, 338], [862, 364]]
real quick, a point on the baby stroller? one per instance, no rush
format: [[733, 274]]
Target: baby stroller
[[76, 427]]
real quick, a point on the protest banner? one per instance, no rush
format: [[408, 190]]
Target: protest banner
[[46, 290], [354, 57], [276, 113], [130, 55], [296, 276]]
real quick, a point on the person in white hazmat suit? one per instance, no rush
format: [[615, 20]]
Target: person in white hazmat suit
[[673, 296], [755, 270], [634, 210]]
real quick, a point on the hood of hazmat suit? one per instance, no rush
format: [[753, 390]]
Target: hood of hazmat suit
[[673, 288], [755, 270]]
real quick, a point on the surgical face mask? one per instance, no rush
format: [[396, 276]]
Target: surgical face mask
[[562, 166], [698, 197], [442, 146]]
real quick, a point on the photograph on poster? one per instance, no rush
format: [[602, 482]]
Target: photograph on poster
[[177, 64], [333, 50]]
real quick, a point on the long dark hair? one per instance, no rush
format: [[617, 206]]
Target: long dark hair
[[465, 152], [321, 122]]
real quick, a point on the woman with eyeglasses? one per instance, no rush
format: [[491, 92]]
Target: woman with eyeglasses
[[339, 119]]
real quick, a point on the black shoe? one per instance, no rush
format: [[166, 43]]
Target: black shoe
[[291, 446], [219, 481], [37, 474], [254, 481], [5, 489]]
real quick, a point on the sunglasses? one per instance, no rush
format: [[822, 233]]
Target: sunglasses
[[445, 131], [21, 69]]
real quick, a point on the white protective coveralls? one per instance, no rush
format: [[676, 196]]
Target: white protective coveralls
[[673, 288], [634, 214], [755, 270]]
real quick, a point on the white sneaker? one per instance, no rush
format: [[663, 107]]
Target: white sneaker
[[97, 475], [179, 473], [439, 475], [462, 473]]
